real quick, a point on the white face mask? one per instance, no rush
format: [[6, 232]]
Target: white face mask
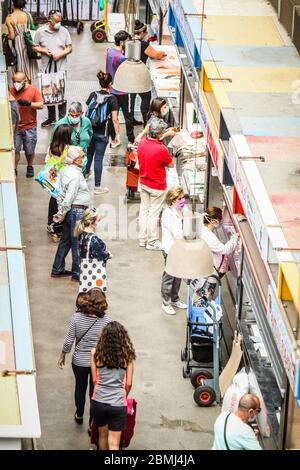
[[164, 111], [57, 26], [18, 86]]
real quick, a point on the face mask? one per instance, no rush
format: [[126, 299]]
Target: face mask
[[164, 111], [251, 420], [18, 86], [74, 121], [180, 203], [57, 26]]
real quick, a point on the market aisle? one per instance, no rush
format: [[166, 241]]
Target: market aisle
[[167, 416]]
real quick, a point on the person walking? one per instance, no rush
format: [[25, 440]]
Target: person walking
[[73, 200], [231, 429], [147, 51], [112, 372], [172, 229], [84, 330], [91, 248], [59, 147], [114, 58], [53, 42], [153, 158], [82, 131], [29, 100], [102, 108], [17, 23]]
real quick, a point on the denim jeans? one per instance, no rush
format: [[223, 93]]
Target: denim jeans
[[68, 242], [97, 147]]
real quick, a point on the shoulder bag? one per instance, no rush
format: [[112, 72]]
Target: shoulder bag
[[225, 427], [81, 337], [92, 272], [29, 37]]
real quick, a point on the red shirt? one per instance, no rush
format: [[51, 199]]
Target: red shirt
[[153, 158], [27, 114]]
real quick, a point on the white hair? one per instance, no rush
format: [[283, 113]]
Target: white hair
[[72, 154], [75, 107]]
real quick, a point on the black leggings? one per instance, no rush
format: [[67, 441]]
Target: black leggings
[[82, 376], [52, 209]]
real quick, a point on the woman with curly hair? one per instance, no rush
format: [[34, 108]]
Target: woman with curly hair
[[85, 328], [112, 372]]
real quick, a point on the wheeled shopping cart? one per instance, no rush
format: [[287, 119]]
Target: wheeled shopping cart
[[202, 348]]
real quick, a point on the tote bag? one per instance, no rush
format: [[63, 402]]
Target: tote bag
[[49, 177], [52, 85], [92, 273]]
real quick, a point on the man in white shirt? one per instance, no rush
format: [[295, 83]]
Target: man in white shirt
[[53, 42], [231, 429]]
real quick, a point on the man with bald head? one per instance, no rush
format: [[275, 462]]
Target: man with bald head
[[231, 429], [29, 100]]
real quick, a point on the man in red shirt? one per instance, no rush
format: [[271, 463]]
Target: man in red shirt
[[153, 159], [29, 100]]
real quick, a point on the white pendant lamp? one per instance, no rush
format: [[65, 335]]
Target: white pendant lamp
[[190, 258], [132, 76]]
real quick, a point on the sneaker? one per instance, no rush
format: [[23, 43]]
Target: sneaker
[[114, 145], [179, 304], [78, 419], [100, 190], [47, 123], [137, 123], [30, 171], [55, 238], [168, 309], [142, 244], [62, 274], [155, 246]]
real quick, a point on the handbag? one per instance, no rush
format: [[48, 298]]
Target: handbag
[[92, 272], [52, 84], [128, 432], [49, 177], [29, 37], [8, 51]]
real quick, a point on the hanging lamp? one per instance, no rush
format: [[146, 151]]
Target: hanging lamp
[[132, 76]]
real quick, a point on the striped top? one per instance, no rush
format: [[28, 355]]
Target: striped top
[[114, 59], [110, 386], [79, 324]]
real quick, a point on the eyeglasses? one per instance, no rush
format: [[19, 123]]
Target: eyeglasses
[[53, 12], [77, 138]]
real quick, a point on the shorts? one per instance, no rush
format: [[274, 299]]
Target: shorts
[[112, 416], [26, 139]]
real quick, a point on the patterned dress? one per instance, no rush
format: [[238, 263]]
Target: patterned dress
[[23, 63]]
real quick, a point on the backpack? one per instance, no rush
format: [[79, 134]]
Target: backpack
[[97, 110]]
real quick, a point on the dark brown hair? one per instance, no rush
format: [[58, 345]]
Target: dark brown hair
[[61, 138], [114, 348], [212, 213], [105, 79], [155, 107], [92, 302]]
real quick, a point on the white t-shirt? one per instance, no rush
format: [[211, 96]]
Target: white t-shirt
[[218, 249], [239, 435]]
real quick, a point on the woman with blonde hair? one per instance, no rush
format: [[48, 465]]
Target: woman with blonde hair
[[172, 229], [93, 252]]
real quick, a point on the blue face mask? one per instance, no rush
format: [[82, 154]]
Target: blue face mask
[[73, 121]]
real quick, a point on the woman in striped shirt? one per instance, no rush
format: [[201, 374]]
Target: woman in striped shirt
[[85, 329], [112, 372]]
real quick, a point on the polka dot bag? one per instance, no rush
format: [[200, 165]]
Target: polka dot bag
[[92, 273]]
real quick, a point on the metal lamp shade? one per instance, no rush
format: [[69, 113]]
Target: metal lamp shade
[[132, 77], [190, 259]]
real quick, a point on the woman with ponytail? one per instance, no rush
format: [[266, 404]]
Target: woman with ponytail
[[93, 252], [103, 112]]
